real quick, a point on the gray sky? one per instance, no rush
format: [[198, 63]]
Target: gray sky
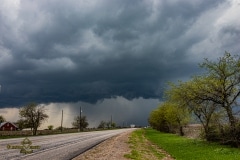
[[79, 51]]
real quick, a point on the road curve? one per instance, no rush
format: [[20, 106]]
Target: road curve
[[56, 147]]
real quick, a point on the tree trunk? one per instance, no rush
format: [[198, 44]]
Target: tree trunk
[[35, 131], [233, 130], [181, 131]]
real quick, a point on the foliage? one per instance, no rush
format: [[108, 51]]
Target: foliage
[[211, 97], [60, 128], [189, 95], [169, 117], [50, 127], [108, 124], [33, 115], [102, 124], [23, 123], [157, 119], [113, 125], [83, 122], [2, 119], [226, 89]]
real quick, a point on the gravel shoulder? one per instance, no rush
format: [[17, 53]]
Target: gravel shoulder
[[117, 147], [114, 148]]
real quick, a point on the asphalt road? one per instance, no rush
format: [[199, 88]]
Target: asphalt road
[[56, 147]]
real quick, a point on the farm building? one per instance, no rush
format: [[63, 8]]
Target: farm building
[[8, 126]]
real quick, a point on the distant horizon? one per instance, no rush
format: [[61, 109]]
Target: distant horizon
[[70, 110]]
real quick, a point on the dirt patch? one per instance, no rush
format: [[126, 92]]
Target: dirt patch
[[143, 149]]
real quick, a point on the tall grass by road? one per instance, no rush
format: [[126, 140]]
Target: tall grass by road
[[182, 148]]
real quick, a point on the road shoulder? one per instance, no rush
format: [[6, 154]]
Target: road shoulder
[[114, 148]]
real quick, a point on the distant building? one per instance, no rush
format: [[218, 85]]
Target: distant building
[[132, 125], [8, 126]]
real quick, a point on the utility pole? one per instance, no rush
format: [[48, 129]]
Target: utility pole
[[62, 122], [111, 121], [80, 117]]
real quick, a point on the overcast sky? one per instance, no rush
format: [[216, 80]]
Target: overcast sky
[[99, 53]]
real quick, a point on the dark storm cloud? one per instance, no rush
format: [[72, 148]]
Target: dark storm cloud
[[64, 51]]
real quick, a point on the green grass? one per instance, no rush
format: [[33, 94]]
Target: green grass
[[182, 148], [134, 142]]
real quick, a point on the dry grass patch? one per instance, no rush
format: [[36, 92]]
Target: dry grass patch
[[142, 149]]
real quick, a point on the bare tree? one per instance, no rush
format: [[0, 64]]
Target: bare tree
[[34, 115], [83, 122]]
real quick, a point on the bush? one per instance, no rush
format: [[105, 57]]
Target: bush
[[50, 127], [213, 134]]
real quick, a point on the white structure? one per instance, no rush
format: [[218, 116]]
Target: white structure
[[132, 125]]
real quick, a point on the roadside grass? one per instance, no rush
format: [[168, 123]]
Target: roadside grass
[[141, 148], [182, 148]]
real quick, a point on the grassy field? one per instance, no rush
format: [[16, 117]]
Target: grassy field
[[182, 148]]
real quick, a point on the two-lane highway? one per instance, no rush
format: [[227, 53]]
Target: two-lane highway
[[56, 147]]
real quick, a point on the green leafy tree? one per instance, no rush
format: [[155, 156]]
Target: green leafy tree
[[33, 115], [83, 123], [2, 119], [226, 90], [176, 116], [189, 95], [168, 117], [157, 119], [213, 95]]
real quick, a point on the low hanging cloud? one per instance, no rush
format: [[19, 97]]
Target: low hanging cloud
[[70, 51]]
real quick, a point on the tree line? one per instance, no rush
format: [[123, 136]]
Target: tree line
[[212, 98], [33, 116]]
